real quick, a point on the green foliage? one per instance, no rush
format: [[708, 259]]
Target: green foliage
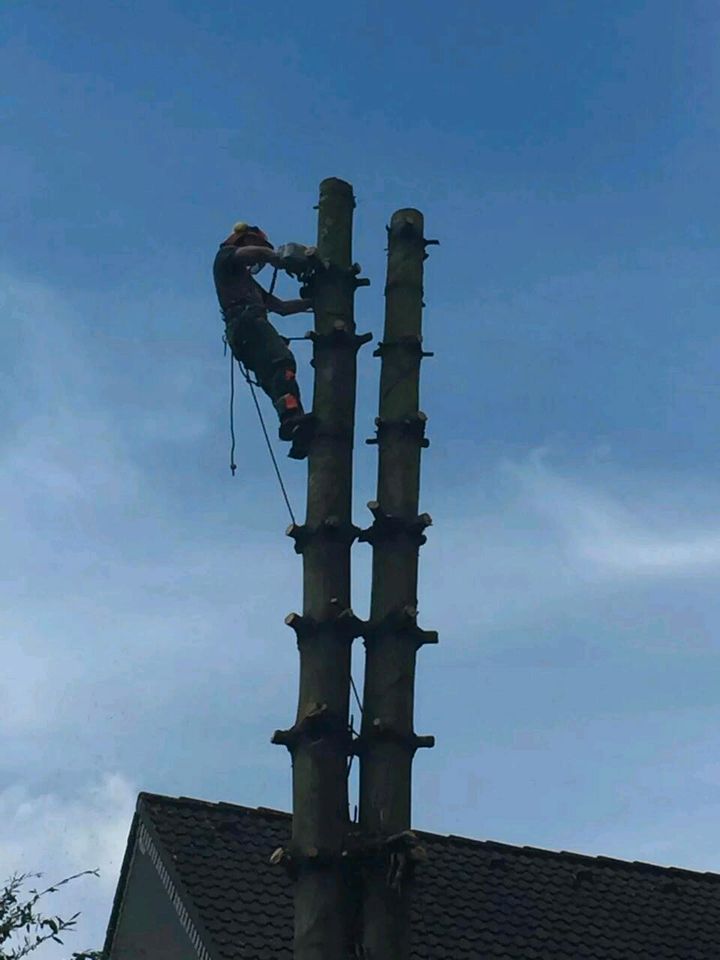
[[22, 922]]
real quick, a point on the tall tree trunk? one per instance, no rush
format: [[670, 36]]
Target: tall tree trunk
[[387, 741], [319, 741]]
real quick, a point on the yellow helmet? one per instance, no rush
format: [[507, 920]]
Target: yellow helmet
[[257, 236]]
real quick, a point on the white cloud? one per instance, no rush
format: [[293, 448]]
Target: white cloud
[[527, 540], [47, 832], [636, 551], [60, 835], [629, 535], [62, 444]]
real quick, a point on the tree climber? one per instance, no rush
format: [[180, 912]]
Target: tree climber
[[254, 341]]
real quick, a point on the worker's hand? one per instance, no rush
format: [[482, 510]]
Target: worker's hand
[[287, 308]]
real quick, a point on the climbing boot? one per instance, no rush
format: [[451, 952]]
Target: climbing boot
[[303, 432], [291, 422], [289, 410]]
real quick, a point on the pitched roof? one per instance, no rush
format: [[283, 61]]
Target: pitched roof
[[474, 899]]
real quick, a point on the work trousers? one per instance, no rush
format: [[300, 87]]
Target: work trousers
[[256, 344]]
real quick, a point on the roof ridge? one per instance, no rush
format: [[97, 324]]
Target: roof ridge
[[584, 858], [214, 804]]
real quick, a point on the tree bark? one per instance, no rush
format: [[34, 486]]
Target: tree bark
[[387, 741], [319, 741]]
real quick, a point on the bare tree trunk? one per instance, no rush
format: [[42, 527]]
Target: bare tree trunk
[[388, 742], [319, 741]]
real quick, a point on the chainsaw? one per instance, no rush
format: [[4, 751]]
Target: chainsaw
[[297, 260]]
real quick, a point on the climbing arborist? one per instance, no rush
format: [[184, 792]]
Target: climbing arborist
[[254, 341]]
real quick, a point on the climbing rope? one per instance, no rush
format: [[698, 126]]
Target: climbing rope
[[357, 697], [252, 384], [353, 735], [352, 724], [233, 465]]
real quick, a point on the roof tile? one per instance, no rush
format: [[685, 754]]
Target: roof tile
[[473, 898]]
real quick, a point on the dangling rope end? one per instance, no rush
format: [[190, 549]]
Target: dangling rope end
[[233, 465]]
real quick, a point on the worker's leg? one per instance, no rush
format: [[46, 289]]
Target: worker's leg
[[240, 331], [256, 343], [275, 368]]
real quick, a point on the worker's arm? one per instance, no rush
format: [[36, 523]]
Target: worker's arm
[[286, 308], [251, 255]]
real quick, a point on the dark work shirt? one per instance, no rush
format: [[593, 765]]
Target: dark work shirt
[[234, 284]]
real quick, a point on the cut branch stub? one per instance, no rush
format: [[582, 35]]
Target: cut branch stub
[[303, 626], [341, 335], [345, 625], [364, 846], [387, 527], [292, 858], [318, 722], [399, 622], [326, 271], [383, 730], [349, 625], [411, 343], [412, 426], [331, 529]]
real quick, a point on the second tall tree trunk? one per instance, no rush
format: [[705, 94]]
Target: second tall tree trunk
[[387, 741]]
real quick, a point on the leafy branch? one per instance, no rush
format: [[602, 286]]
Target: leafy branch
[[22, 920]]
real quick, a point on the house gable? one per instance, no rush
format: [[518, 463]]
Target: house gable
[[151, 919]]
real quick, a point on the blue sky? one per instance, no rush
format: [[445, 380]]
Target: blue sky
[[565, 155]]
